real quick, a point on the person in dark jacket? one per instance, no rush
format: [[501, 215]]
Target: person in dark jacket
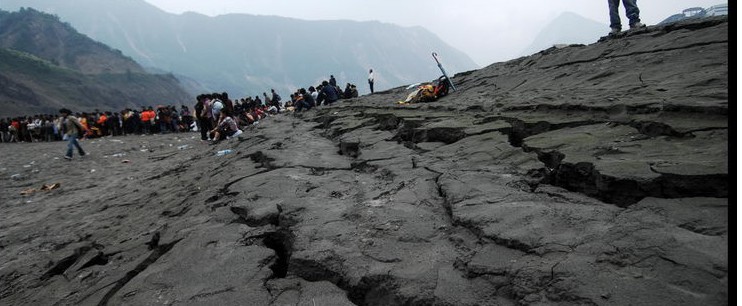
[[204, 123], [306, 102], [275, 100], [348, 93], [330, 92]]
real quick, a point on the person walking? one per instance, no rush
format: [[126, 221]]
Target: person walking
[[371, 79], [71, 127], [632, 12]]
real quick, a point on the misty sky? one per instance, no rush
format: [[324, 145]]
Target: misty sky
[[488, 31]]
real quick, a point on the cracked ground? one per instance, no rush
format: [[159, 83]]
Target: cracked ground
[[591, 175]]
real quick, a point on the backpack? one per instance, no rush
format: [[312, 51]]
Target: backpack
[[440, 87]]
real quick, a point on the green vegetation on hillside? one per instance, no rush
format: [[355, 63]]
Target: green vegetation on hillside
[[46, 64], [33, 85]]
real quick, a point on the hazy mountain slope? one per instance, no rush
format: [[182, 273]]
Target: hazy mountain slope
[[568, 28], [47, 37], [45, 64], [247, 54]]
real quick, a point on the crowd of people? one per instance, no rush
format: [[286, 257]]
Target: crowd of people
[[215, 115], [219, 117], [164, 119]]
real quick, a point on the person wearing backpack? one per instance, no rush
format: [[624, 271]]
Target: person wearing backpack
[[275, 98]]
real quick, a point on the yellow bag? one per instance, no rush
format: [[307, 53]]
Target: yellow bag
[[427, 93]]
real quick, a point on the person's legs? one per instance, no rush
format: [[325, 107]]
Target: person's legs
[[221, 134], [79, 148], [71, 140], [205, 128], [613, 13], [632, 12], [73, 143]]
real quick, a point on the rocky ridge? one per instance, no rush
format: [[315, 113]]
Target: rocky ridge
[[587, 175]]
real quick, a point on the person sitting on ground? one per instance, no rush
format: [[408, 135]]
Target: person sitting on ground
[[331, 93], [186, 117], [304, 101], [308, 98], [226, 128], [289, 104], [348, 93]]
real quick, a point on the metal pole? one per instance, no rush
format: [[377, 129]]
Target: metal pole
[[435, 56]]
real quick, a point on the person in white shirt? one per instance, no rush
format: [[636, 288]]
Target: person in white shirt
[[371, 79]]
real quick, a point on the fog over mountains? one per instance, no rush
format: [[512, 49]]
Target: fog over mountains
[[247, 54], [567, 28]]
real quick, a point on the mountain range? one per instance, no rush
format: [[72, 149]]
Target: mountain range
[[248, 54], [46, 64]]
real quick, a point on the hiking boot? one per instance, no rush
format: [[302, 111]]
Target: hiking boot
[[615, 31], [638, 25]]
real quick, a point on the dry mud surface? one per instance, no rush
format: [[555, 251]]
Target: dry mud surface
[[588, 175]]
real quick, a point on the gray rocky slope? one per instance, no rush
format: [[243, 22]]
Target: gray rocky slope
[[588, 175]]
